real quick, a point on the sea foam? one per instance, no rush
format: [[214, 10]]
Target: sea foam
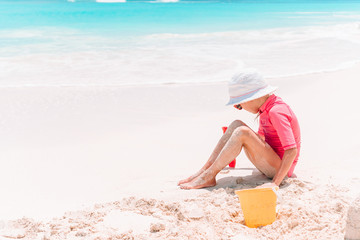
[[70, 58]]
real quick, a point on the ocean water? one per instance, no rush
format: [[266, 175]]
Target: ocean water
[[109, 42]]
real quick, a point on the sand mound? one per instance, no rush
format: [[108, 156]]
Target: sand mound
[[305, 211], [353, 221]]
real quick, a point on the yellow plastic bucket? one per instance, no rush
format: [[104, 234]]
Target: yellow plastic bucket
[[258, 206]]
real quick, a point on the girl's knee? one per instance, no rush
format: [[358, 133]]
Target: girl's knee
[[237, 123], [242, 132]]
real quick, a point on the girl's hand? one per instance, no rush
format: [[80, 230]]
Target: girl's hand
[[269, 185]]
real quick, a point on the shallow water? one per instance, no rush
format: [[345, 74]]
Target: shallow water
[[147, 42]]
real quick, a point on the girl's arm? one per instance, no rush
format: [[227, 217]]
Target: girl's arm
[[287, 160]]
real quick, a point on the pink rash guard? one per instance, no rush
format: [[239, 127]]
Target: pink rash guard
[[280, 127]]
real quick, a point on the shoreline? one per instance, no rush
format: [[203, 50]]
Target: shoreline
[[202, 59], [348, 65]]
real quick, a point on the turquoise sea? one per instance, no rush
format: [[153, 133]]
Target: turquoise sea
[[147, 17], [53, 42]]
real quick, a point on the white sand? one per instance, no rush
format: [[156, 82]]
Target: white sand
[[125, 148], [306, 211]]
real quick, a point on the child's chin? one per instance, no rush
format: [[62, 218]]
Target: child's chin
[[253, 111]]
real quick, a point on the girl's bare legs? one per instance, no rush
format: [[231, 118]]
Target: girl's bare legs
[[223, 140], [258, 151]]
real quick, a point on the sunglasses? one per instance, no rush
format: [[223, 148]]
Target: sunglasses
[[238, 106]]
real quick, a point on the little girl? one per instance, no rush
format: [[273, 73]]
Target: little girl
[[274, 149]]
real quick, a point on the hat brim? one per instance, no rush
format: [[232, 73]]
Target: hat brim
[[252, 96]]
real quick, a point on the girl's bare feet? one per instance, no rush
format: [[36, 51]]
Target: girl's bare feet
[[204, 180], [192, 177]]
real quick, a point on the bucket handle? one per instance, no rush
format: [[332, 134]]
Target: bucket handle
[[275, 189], [279, 198]]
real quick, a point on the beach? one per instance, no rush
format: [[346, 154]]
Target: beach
[[106, 105], [95, 162]]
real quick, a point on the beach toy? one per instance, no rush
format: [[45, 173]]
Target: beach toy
[[233, 163], [258, 206]]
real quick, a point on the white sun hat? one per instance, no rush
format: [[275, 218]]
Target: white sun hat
[[248, 85]]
